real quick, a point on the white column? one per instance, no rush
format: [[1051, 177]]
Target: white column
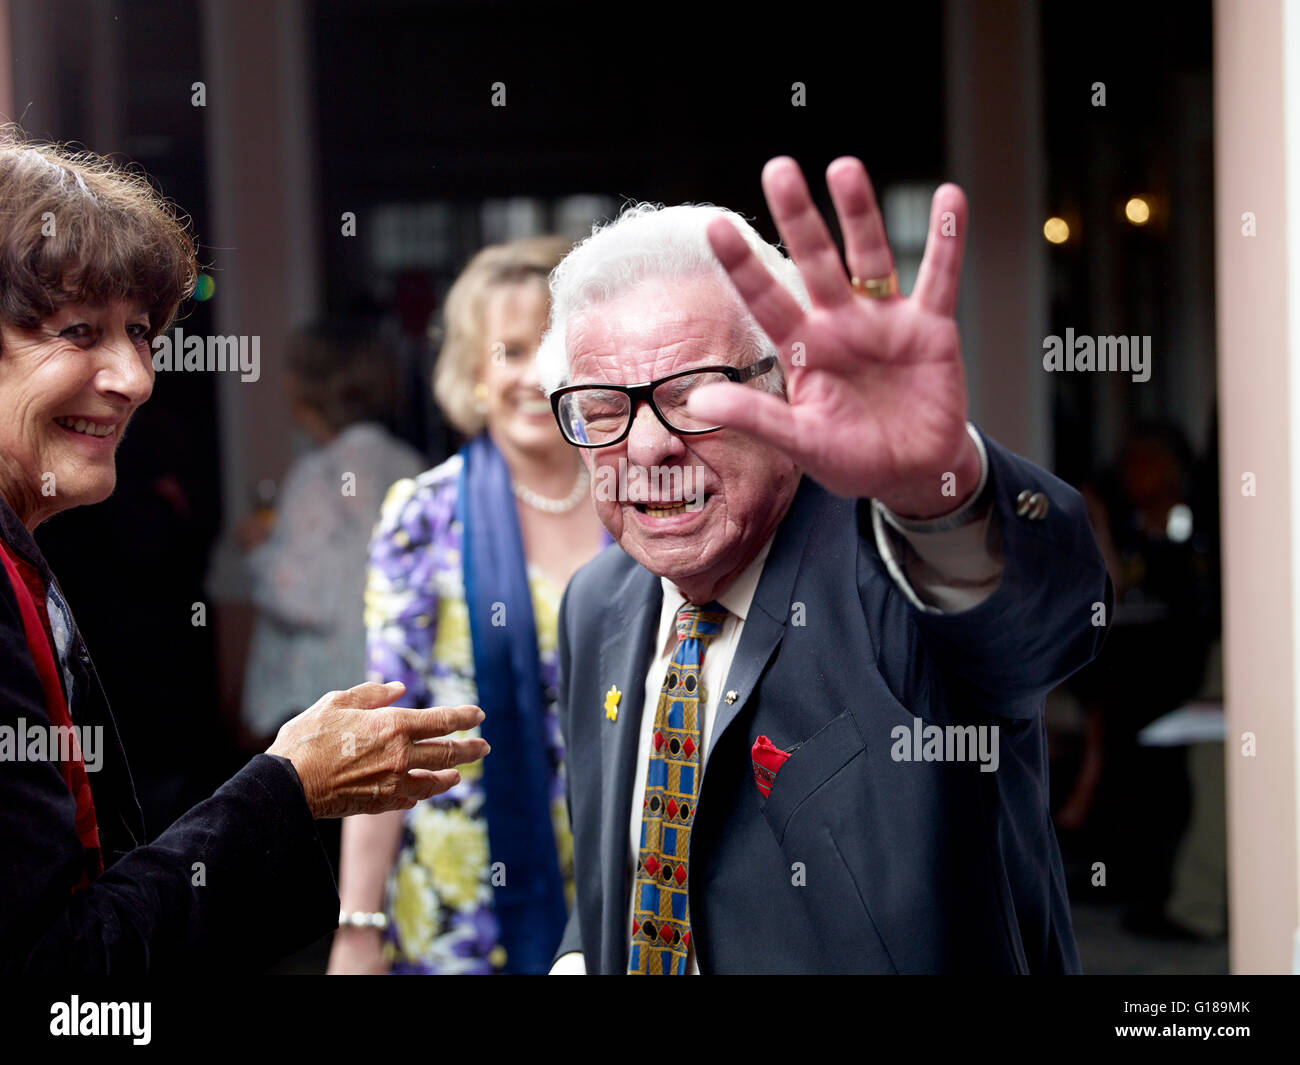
[[995, 152], [263, 247], [264, 239], [1257, 171]]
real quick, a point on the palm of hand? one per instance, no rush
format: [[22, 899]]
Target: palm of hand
[[875, 399], [880, 399]]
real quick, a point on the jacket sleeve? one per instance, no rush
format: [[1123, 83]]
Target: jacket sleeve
[[237, 882], [1048, 616], [571, 942]]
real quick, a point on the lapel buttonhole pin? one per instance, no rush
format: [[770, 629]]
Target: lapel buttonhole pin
[[611, 702], [732, 696]]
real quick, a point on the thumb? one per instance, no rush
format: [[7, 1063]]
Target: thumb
[[371, 695], [760, 414]]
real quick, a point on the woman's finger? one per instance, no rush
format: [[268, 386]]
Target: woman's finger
[[431, 722], [446, 754], [423, 784]]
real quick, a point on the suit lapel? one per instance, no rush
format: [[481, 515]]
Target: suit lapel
[[765, 623], [622, 661]]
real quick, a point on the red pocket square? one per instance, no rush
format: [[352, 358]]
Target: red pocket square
[[768, 759]]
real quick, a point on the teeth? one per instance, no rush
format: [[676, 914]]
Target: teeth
[[80, 425], [665, 512]]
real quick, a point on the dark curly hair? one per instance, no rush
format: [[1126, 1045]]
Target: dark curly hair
[[78, 228]]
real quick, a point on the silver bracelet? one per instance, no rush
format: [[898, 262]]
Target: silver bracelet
[[362, 919]]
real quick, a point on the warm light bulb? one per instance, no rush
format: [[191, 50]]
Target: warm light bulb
[[1137, 211], [1056, 230]]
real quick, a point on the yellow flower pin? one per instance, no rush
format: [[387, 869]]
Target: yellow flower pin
[[611, 702]]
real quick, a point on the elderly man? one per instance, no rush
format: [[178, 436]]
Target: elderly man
[[803, 705]]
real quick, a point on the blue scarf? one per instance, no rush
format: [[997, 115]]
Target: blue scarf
[[528, 889]]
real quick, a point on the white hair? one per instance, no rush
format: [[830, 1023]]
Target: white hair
[[646, 241]]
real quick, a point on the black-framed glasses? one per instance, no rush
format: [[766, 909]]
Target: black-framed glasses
[[601, 415]]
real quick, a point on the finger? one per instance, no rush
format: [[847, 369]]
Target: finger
[[769, 301], [447, 754], [422, 784], [427, 723], [372, 695], [940, 273], [866, 248], [760, 414], [804, 233]]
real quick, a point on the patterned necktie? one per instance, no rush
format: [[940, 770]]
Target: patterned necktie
[[661, 932]]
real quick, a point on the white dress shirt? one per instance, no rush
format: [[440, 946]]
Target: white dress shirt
[[941, 572]]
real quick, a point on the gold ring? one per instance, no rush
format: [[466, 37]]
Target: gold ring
[[878, 288]]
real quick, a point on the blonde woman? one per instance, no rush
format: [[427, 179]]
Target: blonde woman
[[467, 568]]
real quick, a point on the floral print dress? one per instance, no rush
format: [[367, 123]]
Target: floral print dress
[[438, 896]]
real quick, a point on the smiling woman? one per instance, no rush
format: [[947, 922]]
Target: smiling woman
[[93, 265]]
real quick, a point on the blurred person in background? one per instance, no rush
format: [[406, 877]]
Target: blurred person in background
[[93, 266], [1133, 801], [308, 562], [466, 573]]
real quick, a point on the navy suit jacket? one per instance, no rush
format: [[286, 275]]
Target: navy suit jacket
[[855, 862]]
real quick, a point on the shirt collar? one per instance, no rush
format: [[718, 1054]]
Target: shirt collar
[[17, 536], [739, 594]]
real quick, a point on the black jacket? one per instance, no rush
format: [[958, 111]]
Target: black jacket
[[237, 882]]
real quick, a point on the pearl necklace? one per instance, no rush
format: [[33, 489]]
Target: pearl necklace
[[554, 506]]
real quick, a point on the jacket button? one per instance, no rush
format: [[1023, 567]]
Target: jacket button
[[1038, 506], [1022, 503]]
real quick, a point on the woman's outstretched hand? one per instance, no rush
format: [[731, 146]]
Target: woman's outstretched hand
[[357, 755]]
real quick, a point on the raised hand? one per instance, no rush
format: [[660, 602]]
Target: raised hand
[[353, 756], [875, 390]]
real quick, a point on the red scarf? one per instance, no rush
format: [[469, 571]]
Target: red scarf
[[29, 590]]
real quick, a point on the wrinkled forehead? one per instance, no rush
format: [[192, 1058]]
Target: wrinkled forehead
[[654, 330]]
